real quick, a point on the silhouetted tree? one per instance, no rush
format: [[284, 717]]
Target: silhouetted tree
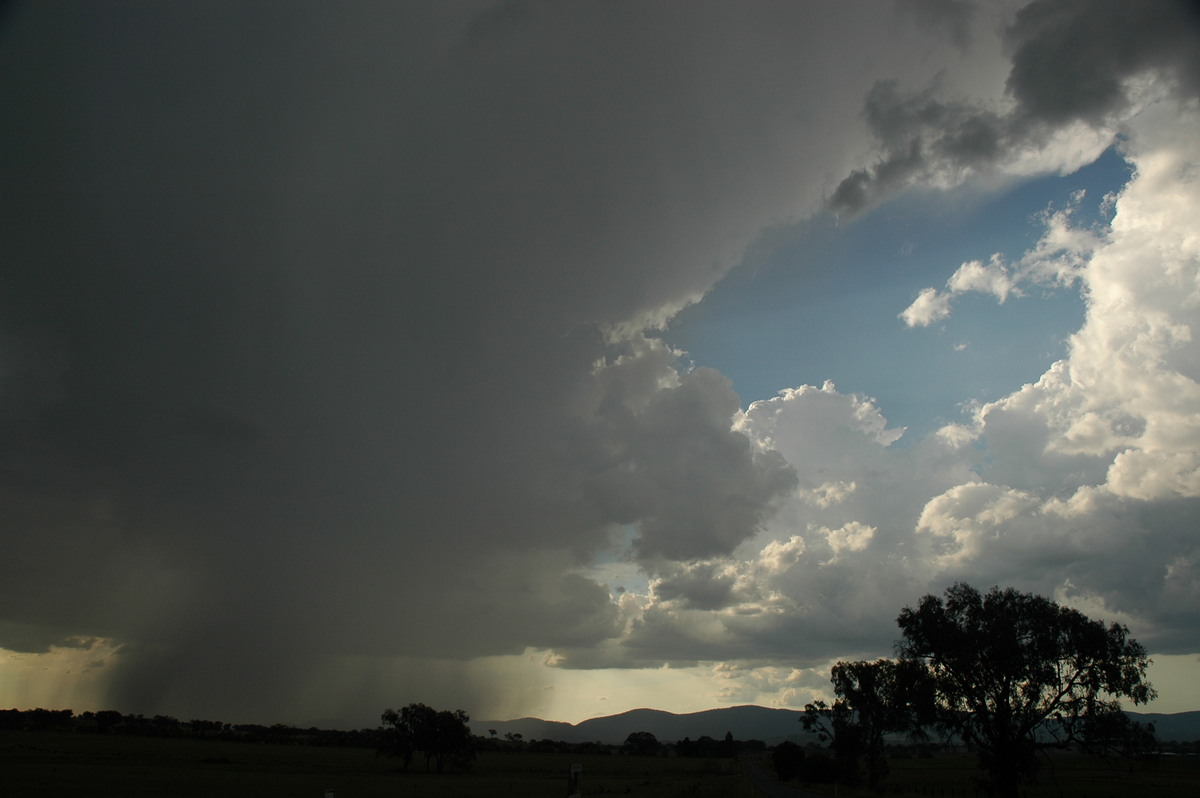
[[451, 741], [48, 719], [402, 729], [642, 743], [835, 725], [729, 747], [443, 737], [788, 759], [874, 699], [1007, 666], [166, 726], [1110, 733], [107, 720]]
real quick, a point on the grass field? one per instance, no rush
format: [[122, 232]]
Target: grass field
[[103, 766], [1062, 775]]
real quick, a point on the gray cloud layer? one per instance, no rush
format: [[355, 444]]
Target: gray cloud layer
[[301, 305], [1072, 62]]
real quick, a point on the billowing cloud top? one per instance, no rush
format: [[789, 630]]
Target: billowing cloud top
[[334, 335]]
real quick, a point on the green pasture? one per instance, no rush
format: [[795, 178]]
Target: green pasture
[[100, 766]]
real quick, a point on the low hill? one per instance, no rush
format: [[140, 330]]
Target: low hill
[[744, 723], [1177, 727]]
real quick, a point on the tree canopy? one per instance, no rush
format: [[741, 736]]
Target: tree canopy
[[1010, 668], [443, 737], [874, 699], [642, 743]]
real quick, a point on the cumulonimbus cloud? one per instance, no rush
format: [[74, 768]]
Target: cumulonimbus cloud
[[324, 338]]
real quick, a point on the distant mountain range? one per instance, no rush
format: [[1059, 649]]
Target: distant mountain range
[[744, 723]]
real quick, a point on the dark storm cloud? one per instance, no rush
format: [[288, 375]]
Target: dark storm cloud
[[300, 306], [37, 639], [322, 327], [697, 487], [951, 17], [1071, 57], [704, 585], [1071, 62], [921, 135]]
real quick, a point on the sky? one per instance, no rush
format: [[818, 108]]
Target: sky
[[558, 359]]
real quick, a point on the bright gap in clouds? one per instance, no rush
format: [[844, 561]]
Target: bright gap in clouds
[[820, 301]]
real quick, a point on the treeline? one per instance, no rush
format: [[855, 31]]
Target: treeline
[[705, 747], [646, 744], [444, 739], [385, 739], [112, 722]]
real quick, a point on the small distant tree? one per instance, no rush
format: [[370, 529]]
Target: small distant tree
[[402, 729], [1112, 734], [52, 719], [443, 737], [166, 726], [729, 746], [642, 743], [451, 742], [107, 720], [788, 760], [834, 724], [1008, 666], [874, 699]]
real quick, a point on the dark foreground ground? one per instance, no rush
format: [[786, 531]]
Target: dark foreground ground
[[100, 766], [34, 764], [1062, 775]]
